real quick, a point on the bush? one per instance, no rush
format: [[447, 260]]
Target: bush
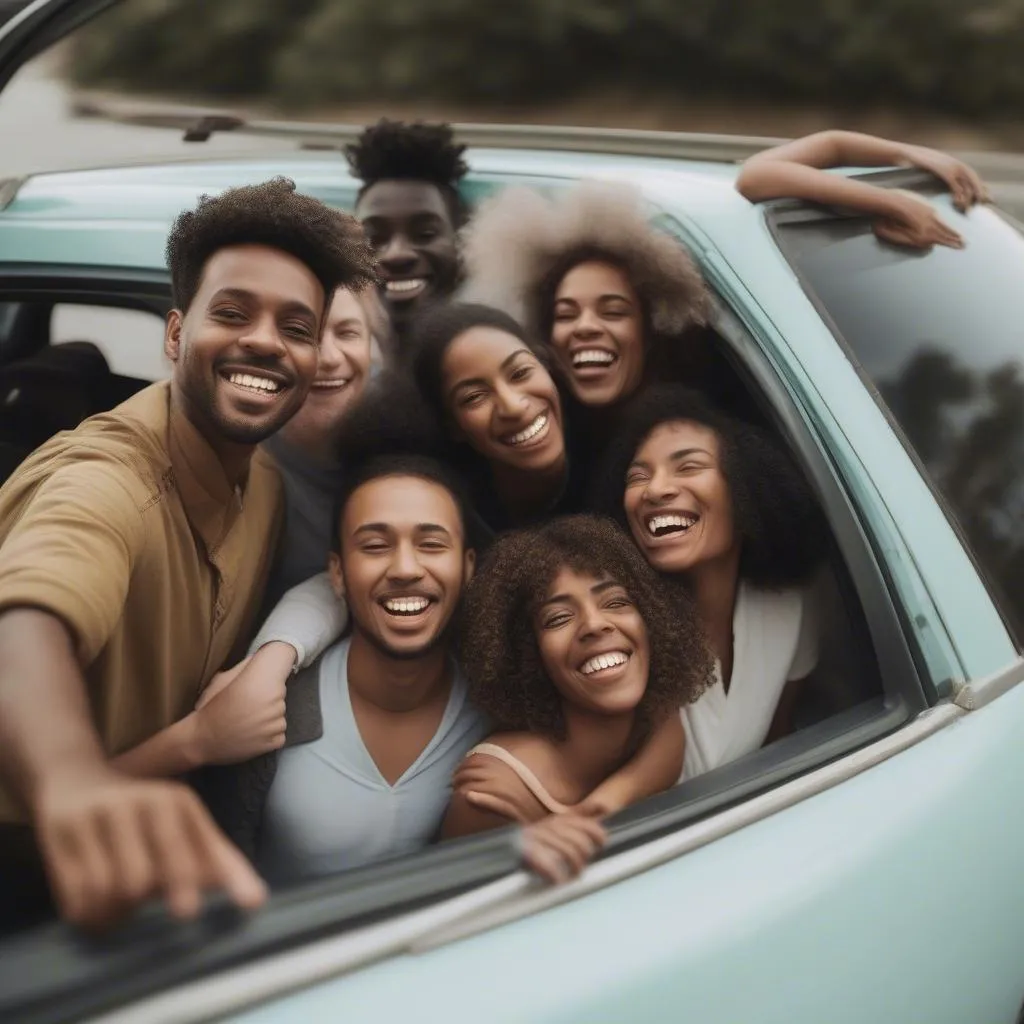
[[941, 53]]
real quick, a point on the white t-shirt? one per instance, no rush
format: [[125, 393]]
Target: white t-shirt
[[775, 640]]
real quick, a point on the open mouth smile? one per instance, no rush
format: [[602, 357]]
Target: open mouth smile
[[592, 362], [607, 662], [535, 432], [407, 606], [665, 524], [255, 383], [404, 290], [333, 384]]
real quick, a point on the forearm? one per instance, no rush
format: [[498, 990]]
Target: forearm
[[309, 618], [784, 180], [655, 767], [173, 751], [45, 721], [836, 148]]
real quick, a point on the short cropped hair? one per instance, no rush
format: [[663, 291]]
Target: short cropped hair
[[498, 644], [329, 242], [783, 533], [422, 467], [396, 151]]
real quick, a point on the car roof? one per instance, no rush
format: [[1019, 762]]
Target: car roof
[[120, 216]]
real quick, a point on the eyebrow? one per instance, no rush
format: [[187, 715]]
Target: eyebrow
[[388, 528], [674, 457], [601, 298], [597, 588], [505, 363], [244, 295]]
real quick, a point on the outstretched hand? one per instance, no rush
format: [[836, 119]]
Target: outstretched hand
[[560, 846], [964, 183], [914, 223], [110, 842]]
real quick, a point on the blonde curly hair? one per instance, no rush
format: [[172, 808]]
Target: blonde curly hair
[[521, 243]]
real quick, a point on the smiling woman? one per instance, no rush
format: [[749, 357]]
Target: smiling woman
[[577, 649]]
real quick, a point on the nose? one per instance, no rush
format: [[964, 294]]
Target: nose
[[661, 487], [509, 402], [593, 622], [397, 253], [405, 566], [587, 325], [332, 356], [262, 337]]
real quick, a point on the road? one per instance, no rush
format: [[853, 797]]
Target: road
[[38, 133]]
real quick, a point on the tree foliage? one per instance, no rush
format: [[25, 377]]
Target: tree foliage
[[950, 54]]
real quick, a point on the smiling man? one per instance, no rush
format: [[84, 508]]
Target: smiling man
[[377, 724], [410, 207], [133, 552]]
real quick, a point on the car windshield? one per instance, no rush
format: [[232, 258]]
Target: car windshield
[[939, 334]]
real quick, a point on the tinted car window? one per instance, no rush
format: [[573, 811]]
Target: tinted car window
[[941, 335]]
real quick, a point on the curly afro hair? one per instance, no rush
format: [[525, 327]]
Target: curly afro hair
[[498, 647], [521, 244], [783, 533], [396, 151], [329, 242]]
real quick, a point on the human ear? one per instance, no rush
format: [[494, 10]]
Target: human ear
[[172, 334], [468, 565], [336, 575]]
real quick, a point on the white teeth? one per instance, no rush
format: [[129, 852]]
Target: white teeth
[[592, 357], [406, 605], [331, 385], [603, 661], [529, 432], [400, 287], [656, 523], [247, 380]]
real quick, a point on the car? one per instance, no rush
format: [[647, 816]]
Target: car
[[865, 867]]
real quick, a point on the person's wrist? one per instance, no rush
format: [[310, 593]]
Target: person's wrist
[[277, 656], [194, 738]]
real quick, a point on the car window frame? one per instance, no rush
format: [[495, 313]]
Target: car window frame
[[153, 955], [780, 213]]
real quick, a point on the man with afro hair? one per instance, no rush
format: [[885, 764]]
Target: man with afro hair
[[410, 207], [133, 553]]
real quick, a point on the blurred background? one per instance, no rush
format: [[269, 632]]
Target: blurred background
[[943, 72]]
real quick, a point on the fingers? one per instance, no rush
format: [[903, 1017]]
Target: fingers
[[177, 867], [560, 847], [223, 865]]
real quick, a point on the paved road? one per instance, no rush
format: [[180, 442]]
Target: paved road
[[38, 133]]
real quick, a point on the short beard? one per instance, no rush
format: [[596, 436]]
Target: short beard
[[442, 637]]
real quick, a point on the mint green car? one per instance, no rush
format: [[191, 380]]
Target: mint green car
[[867, 867]]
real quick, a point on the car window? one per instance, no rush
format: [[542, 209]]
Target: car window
[[131, 339], [941, 336]]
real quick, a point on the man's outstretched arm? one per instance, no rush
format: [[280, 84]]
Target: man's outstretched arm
[[108, 841]]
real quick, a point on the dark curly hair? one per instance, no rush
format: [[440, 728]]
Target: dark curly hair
[[499, 650], [783, 532], [396, 151], [329, 242]]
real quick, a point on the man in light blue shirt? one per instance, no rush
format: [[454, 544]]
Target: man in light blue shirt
[[378, 723]]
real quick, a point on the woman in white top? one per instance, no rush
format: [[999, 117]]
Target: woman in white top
[[713, 501]]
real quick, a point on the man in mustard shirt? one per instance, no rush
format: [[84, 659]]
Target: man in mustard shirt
[[133, 554]]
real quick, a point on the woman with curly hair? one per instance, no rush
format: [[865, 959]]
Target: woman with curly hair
[[714, 503], [579, 651], [612, 296], [488, 386]]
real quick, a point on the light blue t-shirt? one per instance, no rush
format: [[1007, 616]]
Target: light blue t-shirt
[[330, 809]]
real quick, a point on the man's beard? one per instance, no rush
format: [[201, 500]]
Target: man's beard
[[440, 638]]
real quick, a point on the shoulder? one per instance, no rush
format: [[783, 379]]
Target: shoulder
[[779, 609]]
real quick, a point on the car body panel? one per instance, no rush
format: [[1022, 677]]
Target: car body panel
[[789, 919]]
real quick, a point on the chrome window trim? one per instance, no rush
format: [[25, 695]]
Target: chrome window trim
[[518, 894]]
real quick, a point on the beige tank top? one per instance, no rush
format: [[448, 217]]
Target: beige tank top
[[529, 780]]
